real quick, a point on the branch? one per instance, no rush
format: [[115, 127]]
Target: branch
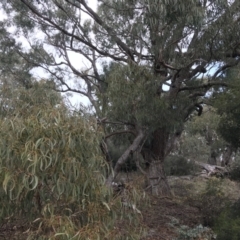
[[199, 69], [211, 169], [207, 85], [118, 123], [168, 66], [120, 132], [197, 94], [110, 31], [234, 54], [132, 148], [64, 31], [196, 106], [225, 67]]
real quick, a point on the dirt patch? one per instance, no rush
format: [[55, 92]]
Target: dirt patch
[[165, 216], [13, 230], [162, 211]]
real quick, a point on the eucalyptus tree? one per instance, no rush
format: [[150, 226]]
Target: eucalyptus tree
[[52, 172], [14, 70], [227, 105], [209, 145], [161, 53]]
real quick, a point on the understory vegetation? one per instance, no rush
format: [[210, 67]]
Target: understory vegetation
[[151, 148]]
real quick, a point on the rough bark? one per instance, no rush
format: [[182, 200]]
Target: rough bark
[[227, 155], [213, 157], [157, 182]]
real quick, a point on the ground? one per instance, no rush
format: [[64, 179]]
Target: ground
[[181, 216], [163, 218], [162, 212]]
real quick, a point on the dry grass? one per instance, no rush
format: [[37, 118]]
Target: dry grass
[[157, 213]]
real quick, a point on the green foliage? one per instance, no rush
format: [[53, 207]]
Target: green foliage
[[17, 100], [52, 172], [234, 171], [132, 96], [202, 136], [12, 65], [178, 166], [198, 232], [206, 124], [187, 233], [153, 45], [227, 224], [211, 201], [193, 147], [227, 104]]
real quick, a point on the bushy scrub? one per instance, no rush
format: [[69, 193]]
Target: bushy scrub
[[211, 201], [52, 172], [227, 225], [189, 233], [178, 166], [234, 172]]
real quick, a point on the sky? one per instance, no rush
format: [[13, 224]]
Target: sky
[[77, 99], [39, 73]]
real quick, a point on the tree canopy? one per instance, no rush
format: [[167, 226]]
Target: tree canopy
[[165, 57], [227, 105]]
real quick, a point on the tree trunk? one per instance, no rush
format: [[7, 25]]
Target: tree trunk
[[227, 155], [156, 178], [213, 157]]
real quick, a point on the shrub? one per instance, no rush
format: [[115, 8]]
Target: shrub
[[178, 166], [52, 174], [227, 224], [211, 201], [234, 172], [188, 233]]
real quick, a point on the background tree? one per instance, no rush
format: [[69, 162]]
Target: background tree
[[200, 142], [204, 128], [227, 105], [13, 68], [153, 44]]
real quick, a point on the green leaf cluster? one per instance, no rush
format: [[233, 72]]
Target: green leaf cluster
[[228, 106], [132, 97], [227, 225], [52, 173]]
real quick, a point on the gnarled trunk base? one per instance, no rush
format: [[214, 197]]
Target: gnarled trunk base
[[157, 180]]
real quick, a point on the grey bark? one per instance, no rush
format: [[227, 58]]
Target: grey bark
[[211, 169], [157, 180], [213, 157], [120, 162], [227, 155]]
